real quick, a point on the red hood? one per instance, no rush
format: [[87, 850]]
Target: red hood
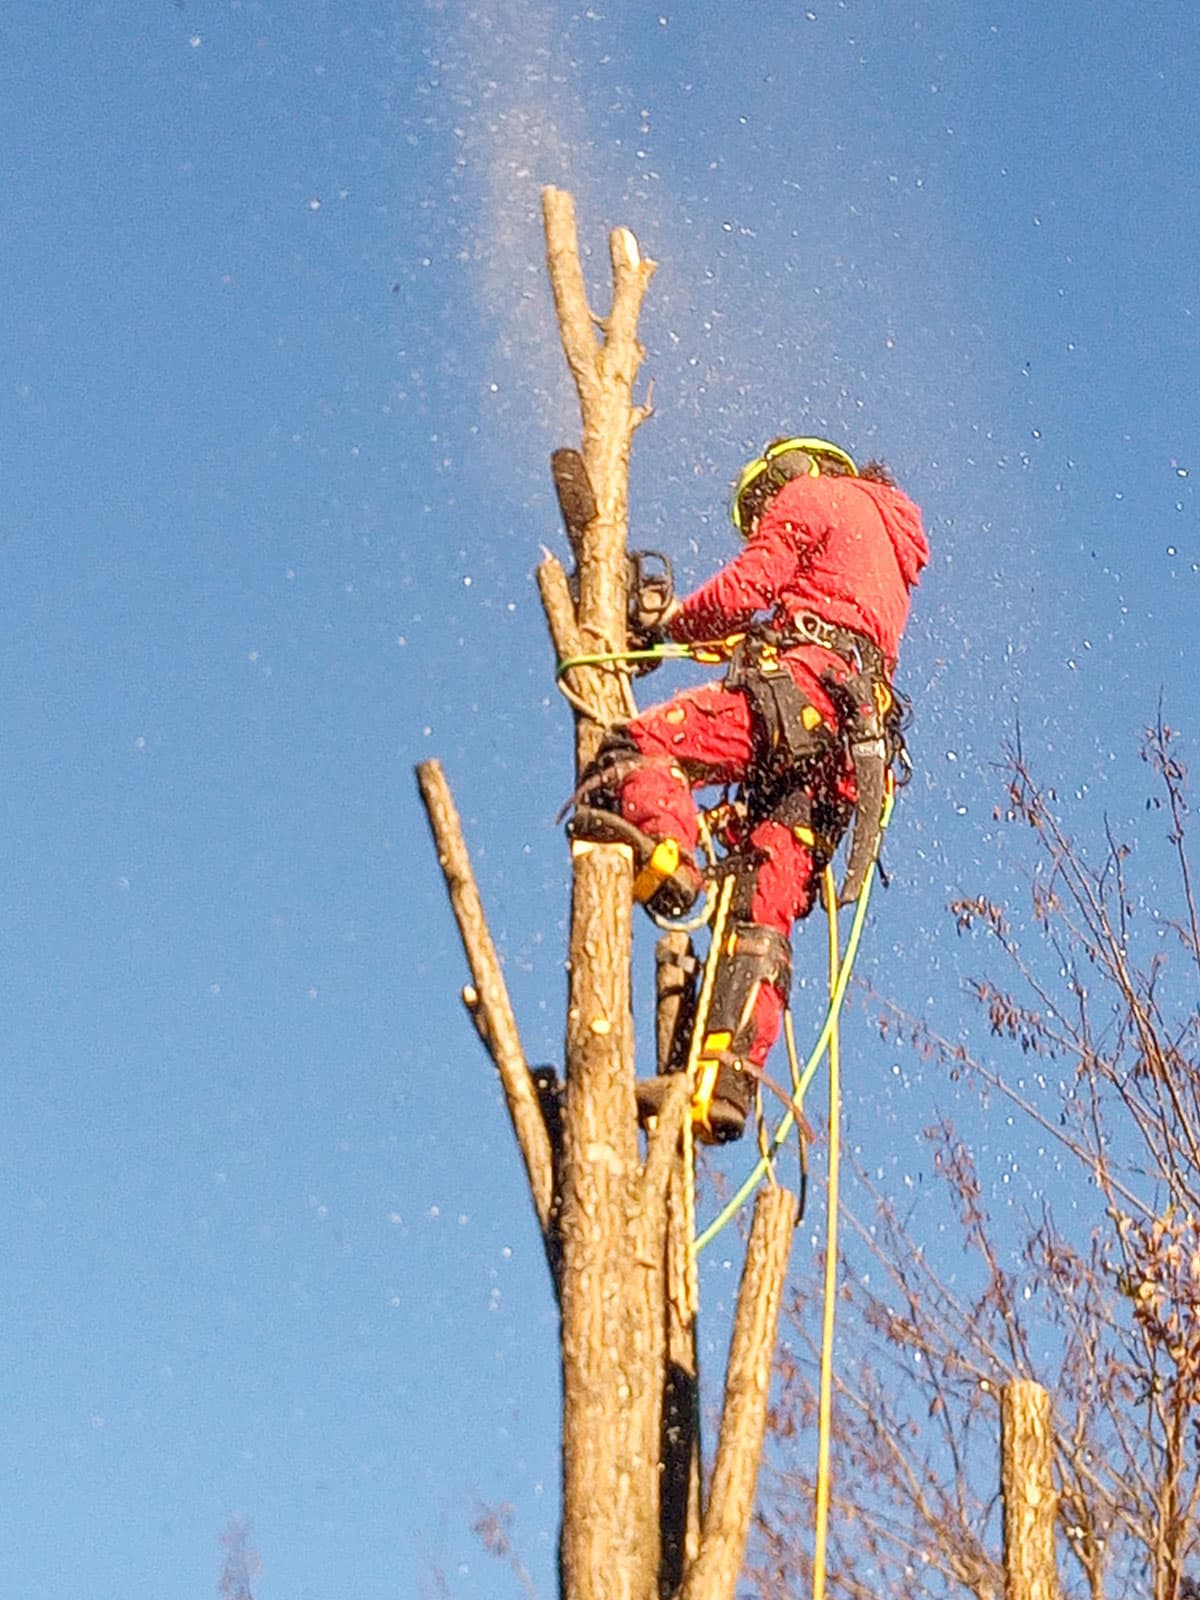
[[902, 520]]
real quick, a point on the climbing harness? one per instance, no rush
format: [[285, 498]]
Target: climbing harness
[[789, 729], [792, 732]]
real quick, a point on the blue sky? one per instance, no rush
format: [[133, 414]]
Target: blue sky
[[279, 383]]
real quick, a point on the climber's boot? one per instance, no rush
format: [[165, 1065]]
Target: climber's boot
[[666, 879]]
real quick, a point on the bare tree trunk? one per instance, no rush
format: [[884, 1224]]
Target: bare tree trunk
[[1027, 1487], [619, 1227], [600, 1163], [613, 1323]]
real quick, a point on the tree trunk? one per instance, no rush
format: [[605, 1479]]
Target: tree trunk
[[619, 1226]]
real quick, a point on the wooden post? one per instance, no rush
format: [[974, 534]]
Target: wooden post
[[1027, 1489]]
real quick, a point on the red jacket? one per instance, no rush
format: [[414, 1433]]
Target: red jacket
[[847, 549]]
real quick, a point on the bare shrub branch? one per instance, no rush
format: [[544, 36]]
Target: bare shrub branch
[[1096, 1297]]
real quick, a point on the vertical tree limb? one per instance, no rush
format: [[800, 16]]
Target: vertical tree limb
[[680, 1512], [575, 320], [498, 1025], [679, 1515], [649, 1332], [714, 1574]]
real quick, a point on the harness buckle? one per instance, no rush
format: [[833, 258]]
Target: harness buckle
[[816, 630]]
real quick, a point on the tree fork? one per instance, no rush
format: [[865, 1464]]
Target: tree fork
[[613, 1321], [604, 375]]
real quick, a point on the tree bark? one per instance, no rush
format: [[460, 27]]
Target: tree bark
[[604, 375], [675, 996], [600, 1163], [680, 1447], [1027, 1488]]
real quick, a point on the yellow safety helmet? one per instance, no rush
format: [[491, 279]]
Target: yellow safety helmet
[[781, 460]]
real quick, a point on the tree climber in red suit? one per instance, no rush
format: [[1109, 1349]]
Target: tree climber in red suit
[[805, 722]]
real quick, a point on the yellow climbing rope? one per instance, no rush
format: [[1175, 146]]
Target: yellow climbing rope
[[836, 999], [825, 1400], [840, 968]]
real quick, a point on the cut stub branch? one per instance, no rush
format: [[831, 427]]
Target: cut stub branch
[[1027, 1488], [714, 1574], [488, 1001]]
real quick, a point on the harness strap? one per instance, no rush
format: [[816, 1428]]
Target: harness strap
[[856, 649]]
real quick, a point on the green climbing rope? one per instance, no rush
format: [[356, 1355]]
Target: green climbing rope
[[710, 652], [836, 1000]]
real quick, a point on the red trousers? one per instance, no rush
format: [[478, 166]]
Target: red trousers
[[701, 737]]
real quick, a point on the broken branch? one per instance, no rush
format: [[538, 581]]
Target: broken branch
[[490, 1006]]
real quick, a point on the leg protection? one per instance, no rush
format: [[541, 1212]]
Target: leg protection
[[751, 956], [774, 869], [666, 879]]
